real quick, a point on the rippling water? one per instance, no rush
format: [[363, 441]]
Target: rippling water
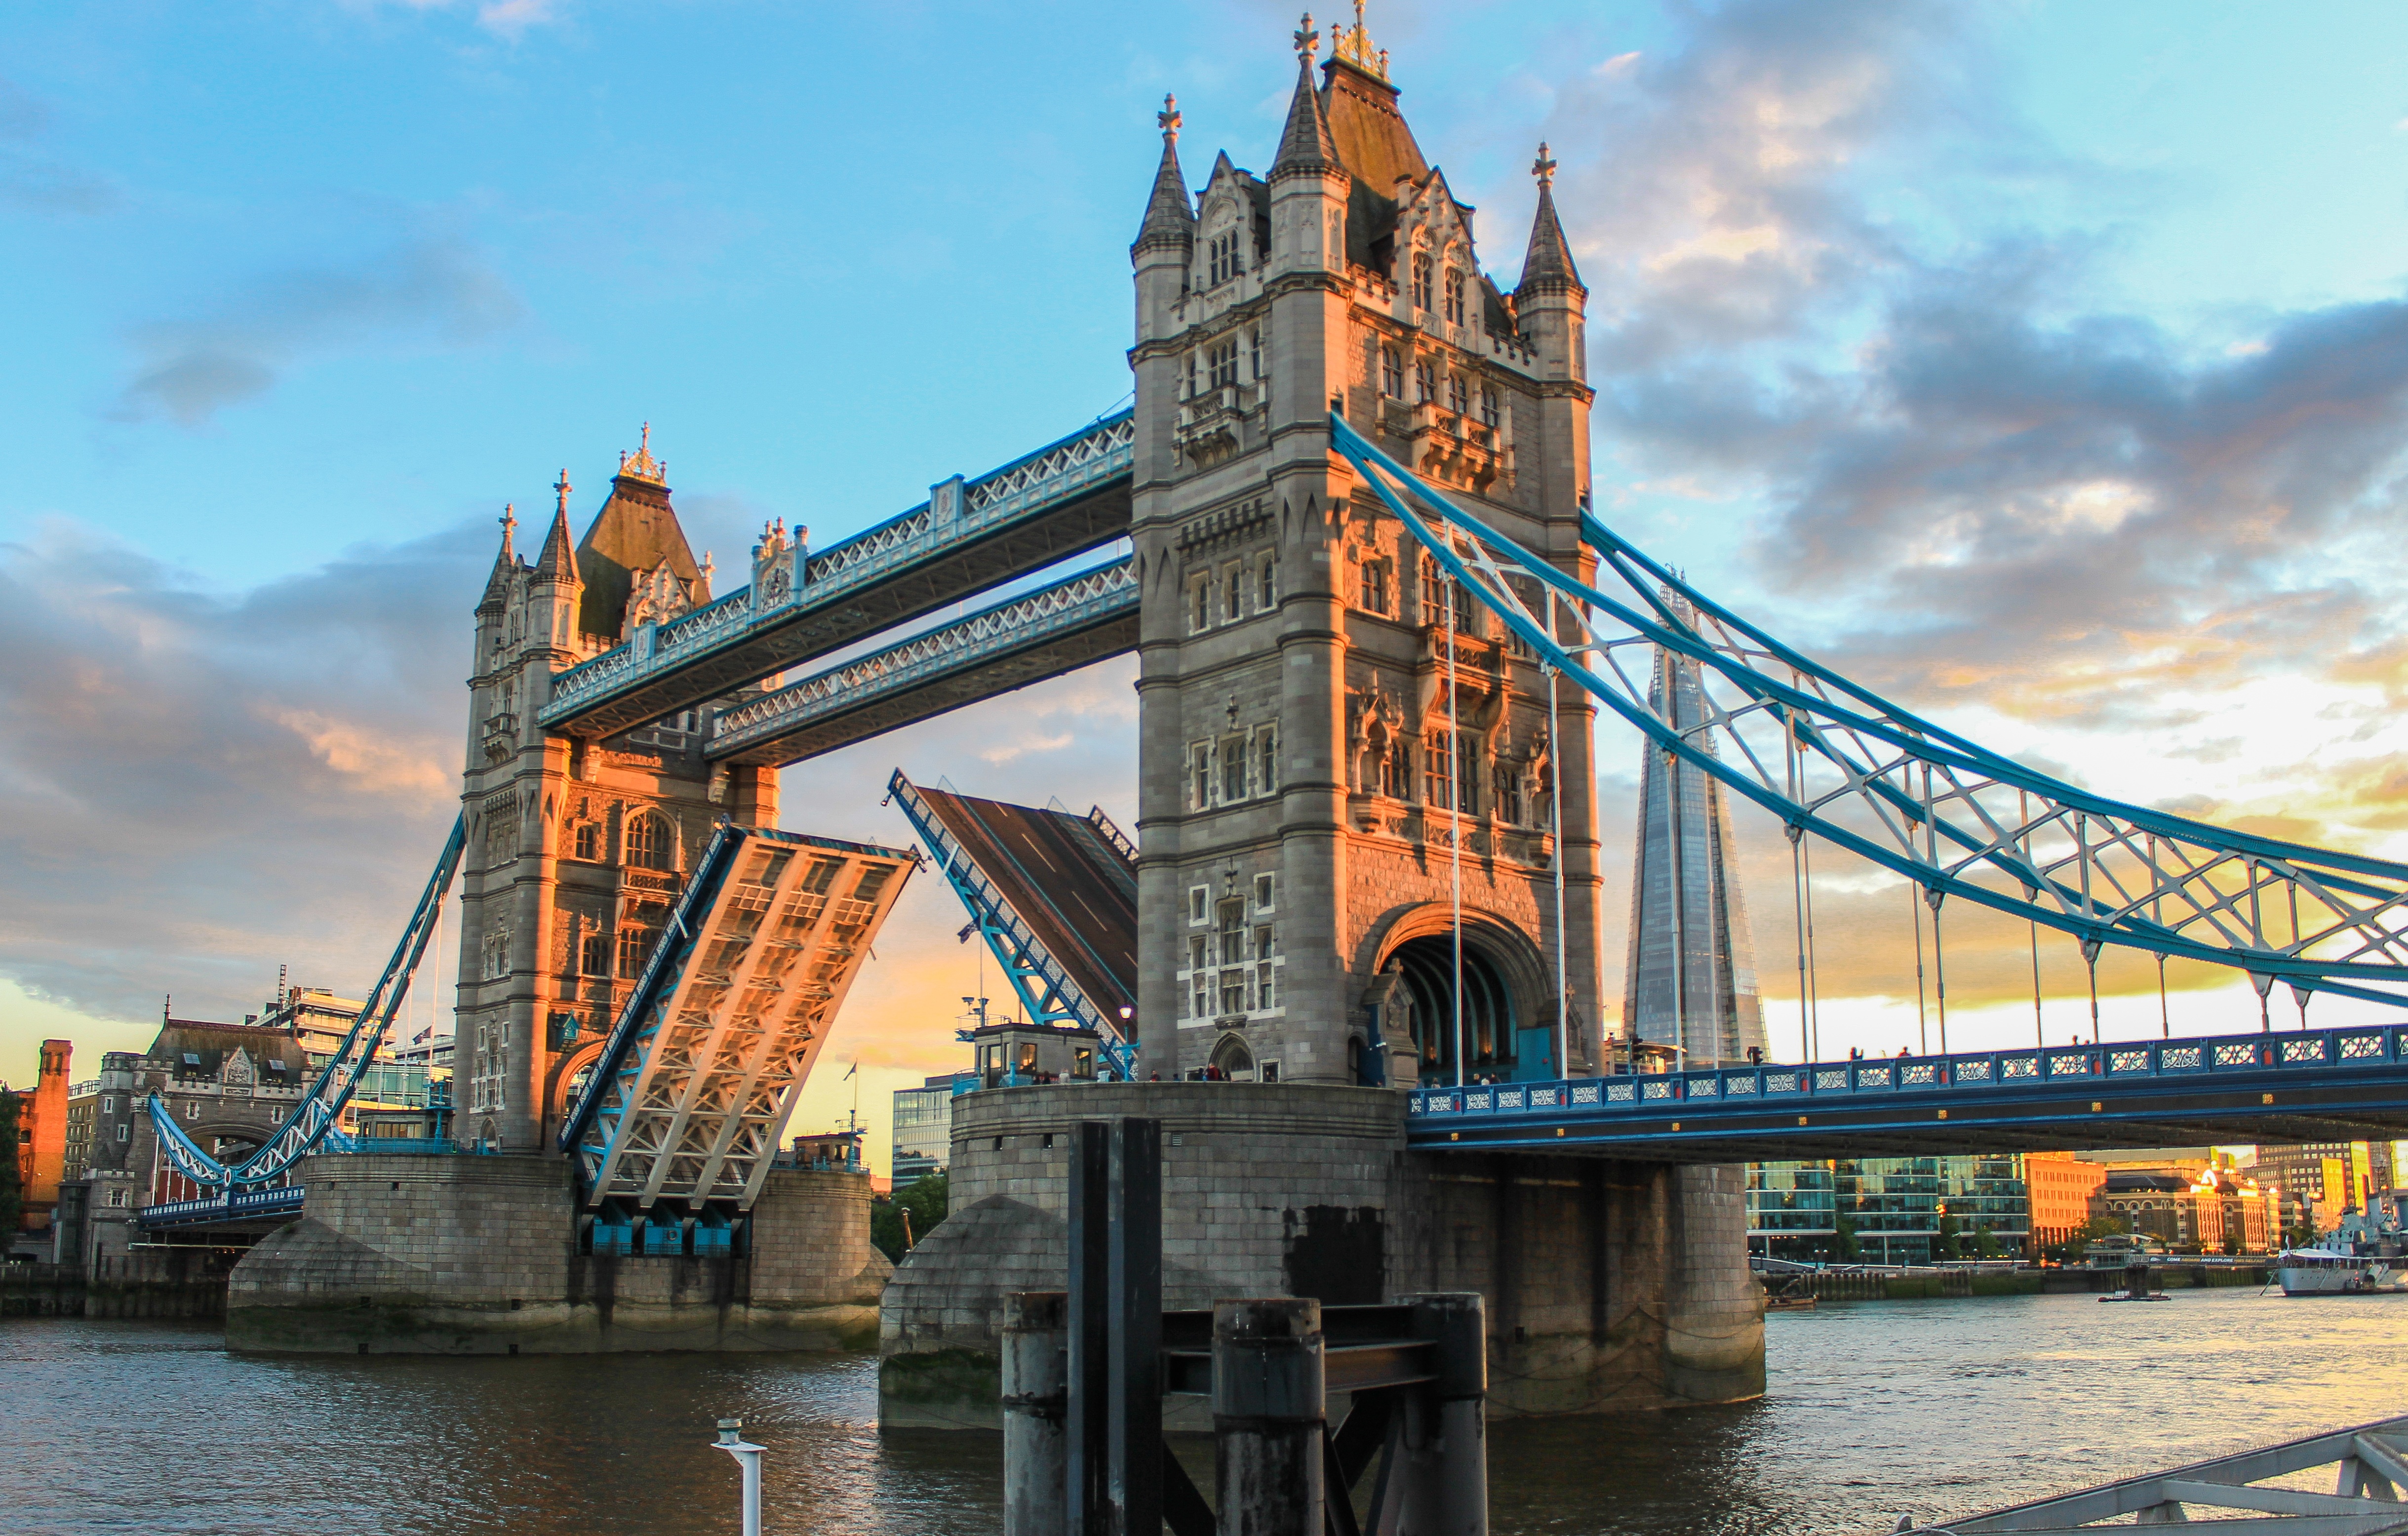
[[1875, 1410]]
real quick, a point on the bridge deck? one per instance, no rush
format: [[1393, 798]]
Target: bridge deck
[[734, 1004], [1063, 501], [2329, 1084], [1062, 877], [1009, 645]]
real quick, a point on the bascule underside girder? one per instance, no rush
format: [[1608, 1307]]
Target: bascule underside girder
[[1009, 645], [703, 1070]]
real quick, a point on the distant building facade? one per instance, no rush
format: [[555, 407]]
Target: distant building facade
[[228, 1085], [2315, 1182], [2216, 1211], [42, 1137], [923, 1129], [2060, 1186], [1895, 1206]]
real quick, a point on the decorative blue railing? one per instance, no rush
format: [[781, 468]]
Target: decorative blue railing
[[1046, 478], [2317, 1052], [275, 1201]]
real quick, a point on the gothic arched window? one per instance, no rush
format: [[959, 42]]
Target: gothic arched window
[[1455, 308], [1424, 298], [647, 842]]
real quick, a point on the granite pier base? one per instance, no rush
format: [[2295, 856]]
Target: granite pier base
[[408, 1255], [1610, 1286]]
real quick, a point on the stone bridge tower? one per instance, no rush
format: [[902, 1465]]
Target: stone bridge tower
[[1303, 694], [575, 849]]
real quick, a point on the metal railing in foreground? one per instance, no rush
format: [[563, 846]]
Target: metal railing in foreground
[[2370, 1475]]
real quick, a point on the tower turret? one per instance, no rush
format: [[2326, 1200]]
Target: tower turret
[[1166, 241]]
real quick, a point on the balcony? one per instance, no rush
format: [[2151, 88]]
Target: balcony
[[1453, 446], [501, 735], [1209, 422]]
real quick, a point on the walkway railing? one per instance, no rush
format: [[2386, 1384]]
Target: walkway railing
[[2317, 1053], [281, 1200], [962, 510]]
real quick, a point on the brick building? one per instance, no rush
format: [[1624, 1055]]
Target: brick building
[[42, 1137], [2063, 1185]]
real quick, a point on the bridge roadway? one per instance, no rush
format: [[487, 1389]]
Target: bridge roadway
[[970, 536], [2317, 1085]]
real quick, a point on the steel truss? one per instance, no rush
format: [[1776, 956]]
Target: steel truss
[[1046, 991], [1831, 757], [314, 1117], [699, 1075]]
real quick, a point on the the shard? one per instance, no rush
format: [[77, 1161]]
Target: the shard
[[1690, 985]]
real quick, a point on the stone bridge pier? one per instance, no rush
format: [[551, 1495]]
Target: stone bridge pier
[[1609, 1284]]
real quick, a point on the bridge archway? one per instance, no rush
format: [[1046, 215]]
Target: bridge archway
[[1506, 992], [565, 1081]]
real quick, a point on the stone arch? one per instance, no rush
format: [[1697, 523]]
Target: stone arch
[[1234, 1056], [560, 1081], [1508, 984]]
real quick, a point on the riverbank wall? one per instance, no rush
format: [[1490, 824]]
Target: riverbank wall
[[161, 1282], [1938, 1285], [1609, 1286], [402, 1255]]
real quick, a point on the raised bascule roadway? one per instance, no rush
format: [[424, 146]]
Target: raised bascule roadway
[[1377, 621]]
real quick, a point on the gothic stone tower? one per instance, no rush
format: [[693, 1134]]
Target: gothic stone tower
[[1299, 822], [574, 849]]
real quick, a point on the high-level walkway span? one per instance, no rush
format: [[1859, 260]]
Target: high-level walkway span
[[970, 536], [2319, 1086]]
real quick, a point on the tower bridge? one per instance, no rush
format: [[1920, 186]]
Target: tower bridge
[[1376, 621]]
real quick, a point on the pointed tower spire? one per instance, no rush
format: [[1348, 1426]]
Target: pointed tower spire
[[1548, 266], [558, 561], [1170, 216], [1305, 143], [498, 586]]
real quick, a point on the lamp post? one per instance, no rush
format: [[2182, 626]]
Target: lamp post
[[747, 1456]]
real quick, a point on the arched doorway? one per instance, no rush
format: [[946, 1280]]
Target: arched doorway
[[1487, 1031], [1236, 1062]]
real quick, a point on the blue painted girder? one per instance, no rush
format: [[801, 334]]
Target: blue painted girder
[[2329, 1084]]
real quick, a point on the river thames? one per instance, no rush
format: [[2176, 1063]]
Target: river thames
[[1874, 1410]]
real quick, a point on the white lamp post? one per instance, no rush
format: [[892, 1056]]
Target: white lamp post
[[747, 1456]]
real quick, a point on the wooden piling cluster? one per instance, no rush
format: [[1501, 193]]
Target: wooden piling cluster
[[1084, 1372]]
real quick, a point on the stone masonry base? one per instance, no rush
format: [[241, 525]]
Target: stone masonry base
[[1610, 1286], [477, 1256]]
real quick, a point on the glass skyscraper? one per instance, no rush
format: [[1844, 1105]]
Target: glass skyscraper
[[1690, 984]]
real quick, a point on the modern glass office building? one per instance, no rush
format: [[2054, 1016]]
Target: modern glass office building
[[1893, 1205], [923, 1129]]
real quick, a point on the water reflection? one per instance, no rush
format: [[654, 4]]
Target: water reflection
[[1877, 1410]]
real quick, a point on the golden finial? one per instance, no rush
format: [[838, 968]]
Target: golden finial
[[1543, 167], [560, 488], [640, 465], [1354, 45], [1169, 116], [508, 520], [1308, 41]]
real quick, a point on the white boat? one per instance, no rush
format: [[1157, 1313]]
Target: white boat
[[2349, 1260]]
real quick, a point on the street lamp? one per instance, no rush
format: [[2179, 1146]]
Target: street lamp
[[747, 1456]]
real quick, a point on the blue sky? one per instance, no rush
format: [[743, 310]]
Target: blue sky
[[2042, 363]]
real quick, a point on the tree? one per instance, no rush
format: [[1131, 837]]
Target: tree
[[923, 1206], [1985, 1243], [1951, 1238], [1843, 1239], [12, 1190]]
